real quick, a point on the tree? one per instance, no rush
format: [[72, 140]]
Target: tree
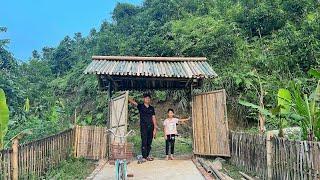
[[63, 58], [35, 54], [6, 59]]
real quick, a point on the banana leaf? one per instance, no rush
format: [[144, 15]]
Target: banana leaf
[[259, 108], [284, 101], [314, 73]]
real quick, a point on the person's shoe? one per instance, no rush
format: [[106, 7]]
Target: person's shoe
[[150, 158], [167, 158], [171, 157], [143, 160]]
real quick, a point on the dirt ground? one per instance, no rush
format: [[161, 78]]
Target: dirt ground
[[156, 170]]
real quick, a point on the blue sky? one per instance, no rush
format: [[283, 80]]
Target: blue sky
[[33, 24]]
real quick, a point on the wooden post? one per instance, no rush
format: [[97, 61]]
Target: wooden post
[[15, 154], [108, 149], [269, 154], [75, 116], [75, 128], [110, 88], [76, 131]]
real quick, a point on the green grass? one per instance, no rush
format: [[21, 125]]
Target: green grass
[[183, 146], [71, 169], [231, 170]]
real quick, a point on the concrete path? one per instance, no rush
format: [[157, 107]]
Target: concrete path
[[156, 170]]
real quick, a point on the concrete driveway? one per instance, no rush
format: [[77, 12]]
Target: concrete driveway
[[156, 170]]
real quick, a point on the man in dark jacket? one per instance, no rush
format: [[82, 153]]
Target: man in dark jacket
[[148, 125]]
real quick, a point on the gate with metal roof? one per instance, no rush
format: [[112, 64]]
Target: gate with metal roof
[[119, 73]]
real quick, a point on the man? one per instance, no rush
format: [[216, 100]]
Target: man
[[148, 125]]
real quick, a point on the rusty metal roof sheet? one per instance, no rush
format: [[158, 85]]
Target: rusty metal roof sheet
[[178, 67]]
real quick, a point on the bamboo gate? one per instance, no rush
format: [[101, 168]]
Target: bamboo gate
[[210, 124]]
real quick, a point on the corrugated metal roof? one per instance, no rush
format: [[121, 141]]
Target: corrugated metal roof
[[178, 67]]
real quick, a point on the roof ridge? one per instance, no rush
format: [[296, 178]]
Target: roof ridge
[[147, 58]]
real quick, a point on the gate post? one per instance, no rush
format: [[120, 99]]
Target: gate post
[[15, 154], [269, 155]]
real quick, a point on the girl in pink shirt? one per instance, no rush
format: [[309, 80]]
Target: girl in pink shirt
[[170, 132]]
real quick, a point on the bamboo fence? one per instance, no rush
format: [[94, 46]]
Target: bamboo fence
[[36, 157], [295, 159], [248, 151], [91, 142], [274, 158], [5, 164], [289, 159]]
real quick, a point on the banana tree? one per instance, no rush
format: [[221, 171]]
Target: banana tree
[[262, 113], [280, 113], [307, 111], [253, 80], [4, 117]]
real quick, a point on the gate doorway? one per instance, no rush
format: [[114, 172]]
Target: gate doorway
[[209, 117]]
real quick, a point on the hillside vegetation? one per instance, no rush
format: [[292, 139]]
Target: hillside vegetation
[[251, 44]]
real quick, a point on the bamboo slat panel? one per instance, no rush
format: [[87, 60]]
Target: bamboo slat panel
[[91, 142], [248, 151], [118, 116], [290, 159], [295, 159], [210, 125], [5, 164], [37, 157]]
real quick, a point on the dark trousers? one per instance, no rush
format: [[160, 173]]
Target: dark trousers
[[170, 142], [146, 139]]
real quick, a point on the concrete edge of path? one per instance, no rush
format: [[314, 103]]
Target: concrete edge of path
[[100, 166]]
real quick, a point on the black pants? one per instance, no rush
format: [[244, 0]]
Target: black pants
[[146, 139], [170, 142]]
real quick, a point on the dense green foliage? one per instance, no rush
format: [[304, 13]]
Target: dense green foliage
[[278, 40], [4, 117]]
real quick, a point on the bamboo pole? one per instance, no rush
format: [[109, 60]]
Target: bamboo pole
[[246, 176], [204, 165], [15, 154], [269, 155], [216, 173], [75, 148]]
